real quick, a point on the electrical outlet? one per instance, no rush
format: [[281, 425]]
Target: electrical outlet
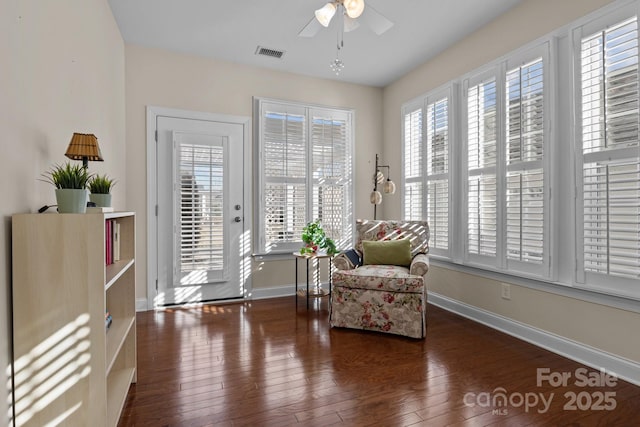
[[506, 291]]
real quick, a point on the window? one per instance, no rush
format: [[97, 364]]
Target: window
[[413, 164], [437, 172], [502, 168], [524, 123], [426, 180], [482, 146], [305, 174], [561, 114], [609, 157], [505, 190], [201, 240]]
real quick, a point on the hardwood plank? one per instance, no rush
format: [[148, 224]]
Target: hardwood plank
[[263, 363]]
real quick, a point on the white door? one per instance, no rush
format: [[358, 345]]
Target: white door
[[200, 224]]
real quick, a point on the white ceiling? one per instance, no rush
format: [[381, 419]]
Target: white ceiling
[[232, 30]]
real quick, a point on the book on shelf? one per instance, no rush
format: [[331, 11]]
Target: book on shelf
[[116, 241], [107, 241], [112, 241], [108, 320]]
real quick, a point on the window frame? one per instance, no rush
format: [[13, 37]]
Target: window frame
[[544, 50], [493, 72], [260, 247], [407, 109], [449, 93], [458, 173], [599, 282]]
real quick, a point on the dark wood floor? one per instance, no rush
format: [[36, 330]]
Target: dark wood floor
[[261, 363]]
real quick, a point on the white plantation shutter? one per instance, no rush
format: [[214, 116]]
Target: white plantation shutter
[[612, 218], [437, 173], [525, 215], [610, 154], [482, 168], [426, 170], [331, 161], [201, 239], [413, 165], [525, 195], [285, 174], [438, 212], [305, 174], [413, 201]]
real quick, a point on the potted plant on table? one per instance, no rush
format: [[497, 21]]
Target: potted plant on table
[[314, 237], [100, 187], [71, 187]]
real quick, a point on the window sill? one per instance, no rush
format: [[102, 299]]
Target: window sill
[[278, 256]]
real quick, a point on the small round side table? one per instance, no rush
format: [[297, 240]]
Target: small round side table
[[317, 291]]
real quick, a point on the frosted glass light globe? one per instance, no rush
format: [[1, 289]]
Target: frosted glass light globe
[[389, 187], [354, 8], [325, 13], [375, 198]]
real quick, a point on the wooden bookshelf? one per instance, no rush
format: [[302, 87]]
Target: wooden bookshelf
[[69, 369]]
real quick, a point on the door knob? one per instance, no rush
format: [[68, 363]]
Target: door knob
[[237, 219]]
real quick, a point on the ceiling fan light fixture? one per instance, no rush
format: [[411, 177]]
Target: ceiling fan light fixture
[[325, 13], [354, 8]]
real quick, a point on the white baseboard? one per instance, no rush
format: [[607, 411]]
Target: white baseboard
[[277, 292], [264, 293], [141, 304], [623, 368]]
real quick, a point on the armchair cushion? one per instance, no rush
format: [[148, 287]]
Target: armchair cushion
[[380, 278], [387, 252]]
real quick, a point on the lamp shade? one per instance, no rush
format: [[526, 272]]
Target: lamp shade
[[375, 197], [354, 8], [389, 187], [84, 146], [325, 13]]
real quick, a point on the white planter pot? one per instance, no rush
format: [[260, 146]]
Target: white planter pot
[[101, 200], [71, 200]]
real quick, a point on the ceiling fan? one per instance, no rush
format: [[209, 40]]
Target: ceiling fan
[[350, 10]]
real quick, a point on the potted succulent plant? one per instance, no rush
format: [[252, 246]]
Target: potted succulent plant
[[100, 187], [71, 187], [314, 237]]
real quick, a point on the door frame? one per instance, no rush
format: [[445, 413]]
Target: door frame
[[152, 187]]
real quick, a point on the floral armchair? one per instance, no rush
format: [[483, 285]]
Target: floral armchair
[[382, 297]]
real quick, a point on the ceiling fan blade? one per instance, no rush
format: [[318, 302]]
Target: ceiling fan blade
[[350, 24], [374, 19], [311, 29]]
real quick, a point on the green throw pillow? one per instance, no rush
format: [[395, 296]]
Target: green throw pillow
[[387, 252]]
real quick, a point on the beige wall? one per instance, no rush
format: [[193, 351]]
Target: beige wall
[[602, 327], [165, 79], [62, 72], [595, 325]]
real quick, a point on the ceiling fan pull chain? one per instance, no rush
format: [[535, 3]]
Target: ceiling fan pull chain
[[337, 65], [341, 28]]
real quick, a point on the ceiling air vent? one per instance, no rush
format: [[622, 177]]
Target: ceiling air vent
[[274, 53]]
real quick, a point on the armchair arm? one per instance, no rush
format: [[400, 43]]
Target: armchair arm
[[419, 265]]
